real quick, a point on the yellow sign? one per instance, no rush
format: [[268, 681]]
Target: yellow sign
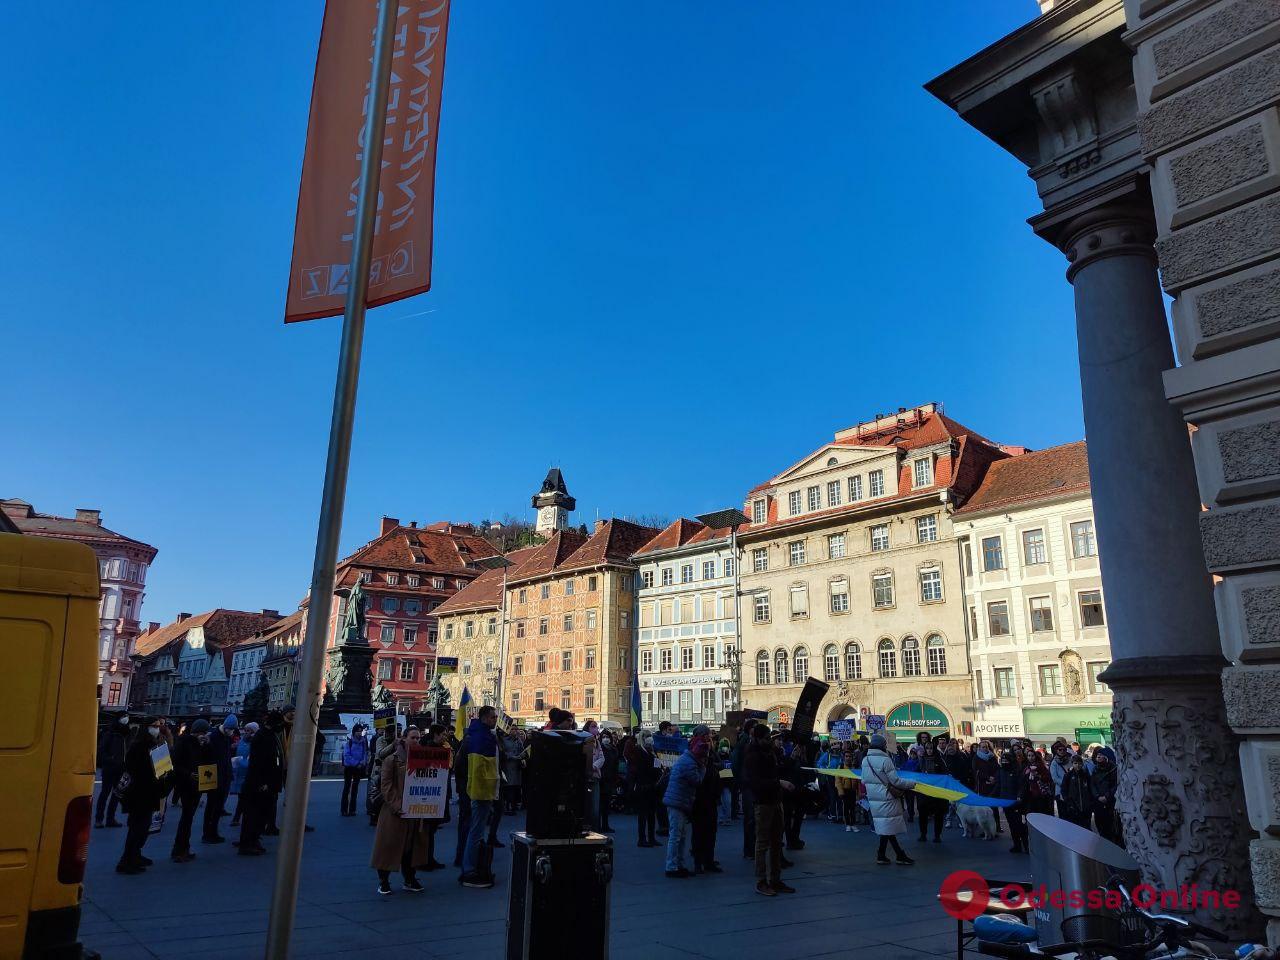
[[208, 777], [161, 762], [726, 774]]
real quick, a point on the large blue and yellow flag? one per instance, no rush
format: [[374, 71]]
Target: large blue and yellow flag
[[460, 715], [635, 702]]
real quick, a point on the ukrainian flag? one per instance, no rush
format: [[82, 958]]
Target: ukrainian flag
[[635, 702], [460, 716]]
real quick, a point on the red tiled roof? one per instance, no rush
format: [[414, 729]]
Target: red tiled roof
[[1042, 475], [616, 541], [221, 628], [28, 521], [418, 549], [550, 555], [681, 532], [485, 592]]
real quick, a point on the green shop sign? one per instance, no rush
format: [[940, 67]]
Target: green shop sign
[[915, 716], [1064, 721]]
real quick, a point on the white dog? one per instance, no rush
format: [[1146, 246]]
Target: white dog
[[976, 820]]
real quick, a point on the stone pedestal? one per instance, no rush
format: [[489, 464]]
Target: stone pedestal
[[348, 682]]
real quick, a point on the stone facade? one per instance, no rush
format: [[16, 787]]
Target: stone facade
[[1207, 80]]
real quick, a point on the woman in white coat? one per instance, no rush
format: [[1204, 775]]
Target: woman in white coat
[[884, 796]]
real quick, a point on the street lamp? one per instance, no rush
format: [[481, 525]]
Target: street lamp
[[733, 519]]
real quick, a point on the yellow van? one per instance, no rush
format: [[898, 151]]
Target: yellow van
[[48, 715]]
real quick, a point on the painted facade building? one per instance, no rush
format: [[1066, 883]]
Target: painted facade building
[[851, 574], [281, 645], [1036, 614], [688, 635], [122, 569]]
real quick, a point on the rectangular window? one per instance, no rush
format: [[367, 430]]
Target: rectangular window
[[568, 587], [799, 601], [1033, 549], [387, 633], [517, 666], [834, 493], [665, 658], [546, 591], [589, 698], [469, 628], [410, 636], [466, 668], [686, 704], [624, 619], [760, 559], [520, 628], [393, 578], [922, 472], [708, 656], [491, 626], [840, 596], [876, 481], [815, 498], [930, 585], [686, 573], [795, 551], [686, 658], [761, 608], [592, 582], [515, 701], [664, 704], [566, 698], [882, 590], [566, 661], [757, 511], [542, 663], [384, 669], [539, 700], [927, 529], [590, 658], [1096, 685], [591, 619], [408, 670], [708, 569], [646, 579], [979, 690], [708, 703], [1083, 543], [1041, 614], [488, 664], [522, 595], [1091, 609], [968, 559], [1004, 681], [880, 536], [646, 661], [544, 625], [1050, 680], [568, 622], [793, 502], [855, 489], [998, 619], [728, 566], [668, 576], [835, 546], [412, 580], [992, 553]]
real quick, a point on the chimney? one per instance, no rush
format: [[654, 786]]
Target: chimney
[[183, 616], [271, 613], [413, 524], [388, 524], [599, 525], [89, 516], [153, 626], [1045, 5]]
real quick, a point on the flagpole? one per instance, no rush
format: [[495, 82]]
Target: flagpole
[[284, 896]]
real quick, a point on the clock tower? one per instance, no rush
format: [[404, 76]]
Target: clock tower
[[553, 504]]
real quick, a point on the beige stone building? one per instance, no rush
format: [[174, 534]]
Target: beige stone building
[[1036, 614], [851, 574]]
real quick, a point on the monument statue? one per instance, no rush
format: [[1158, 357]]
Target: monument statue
[[353, 618], [382, 698]]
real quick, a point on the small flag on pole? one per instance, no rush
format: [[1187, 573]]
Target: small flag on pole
[[460, 718], [635, 702]]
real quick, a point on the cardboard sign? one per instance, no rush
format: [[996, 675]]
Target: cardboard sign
[[161, 762], [384, 719], [667, 750], [842, 730], [875, 721], [208, 777], [426, 781], [726, 774]]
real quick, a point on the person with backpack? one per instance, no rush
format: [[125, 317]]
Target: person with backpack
[[355, 758]]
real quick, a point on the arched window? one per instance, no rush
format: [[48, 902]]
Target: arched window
[[762, 668], [852, 661], [911, 657], [801, 657], [888, 659], [937, 651], [830, 663], [780, 662]]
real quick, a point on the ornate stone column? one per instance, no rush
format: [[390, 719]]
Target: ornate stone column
[[1181, 798]]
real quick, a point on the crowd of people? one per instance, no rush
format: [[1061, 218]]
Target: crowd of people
[[770, 780]]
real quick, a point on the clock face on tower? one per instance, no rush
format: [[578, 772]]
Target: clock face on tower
[[547, 517]]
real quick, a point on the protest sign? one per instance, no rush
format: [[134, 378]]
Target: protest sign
[[667, 750], [446, 665], [842, 730], [208, 777], [875, 722], [425, 780], [384, 719], [161, 762]]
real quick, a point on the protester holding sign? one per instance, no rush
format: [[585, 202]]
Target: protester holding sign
[[217, 753], [141, 791], [400, 842]]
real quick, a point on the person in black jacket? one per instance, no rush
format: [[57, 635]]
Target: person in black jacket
[[931, 809], [187, 754], [217, 751], [143, 794], [642, 779], [760, 777], [464, 801], [262, 783], [744, 791], [1008, 784], [1102, 784], [1077, 793], [112, 747], [608, 779], [706, 803], [791, 769]]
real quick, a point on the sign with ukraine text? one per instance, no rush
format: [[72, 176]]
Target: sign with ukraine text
[[426, 779]]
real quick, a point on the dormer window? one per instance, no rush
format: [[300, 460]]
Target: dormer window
[[793, 502], [922, 472], [815, 498], [393, 579], [876, 482], [757, 511]]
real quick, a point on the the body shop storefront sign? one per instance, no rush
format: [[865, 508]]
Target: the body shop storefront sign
[[908, 719]]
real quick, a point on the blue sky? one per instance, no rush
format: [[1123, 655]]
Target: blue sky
[[677, 246]]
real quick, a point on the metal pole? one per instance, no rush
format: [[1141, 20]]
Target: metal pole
[[502, 646], [737, 614], [284, 896]]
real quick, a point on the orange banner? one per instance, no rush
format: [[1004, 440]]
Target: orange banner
[[322, 237]]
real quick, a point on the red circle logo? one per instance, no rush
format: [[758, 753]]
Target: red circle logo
[[964, 894]]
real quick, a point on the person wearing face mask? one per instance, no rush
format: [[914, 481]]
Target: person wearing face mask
[[186, 790], [400, 843], [1008, 785], [1077, 794], [706, 802], [112, 747], [142, 795], [1102, 784], [239, 767], [263, 781], [643, 774], [986, 774], [931, 809], [217, 751]]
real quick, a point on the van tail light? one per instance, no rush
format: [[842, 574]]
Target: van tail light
[[75, 840]]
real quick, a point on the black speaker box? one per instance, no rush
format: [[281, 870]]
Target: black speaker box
[[555, 785]]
